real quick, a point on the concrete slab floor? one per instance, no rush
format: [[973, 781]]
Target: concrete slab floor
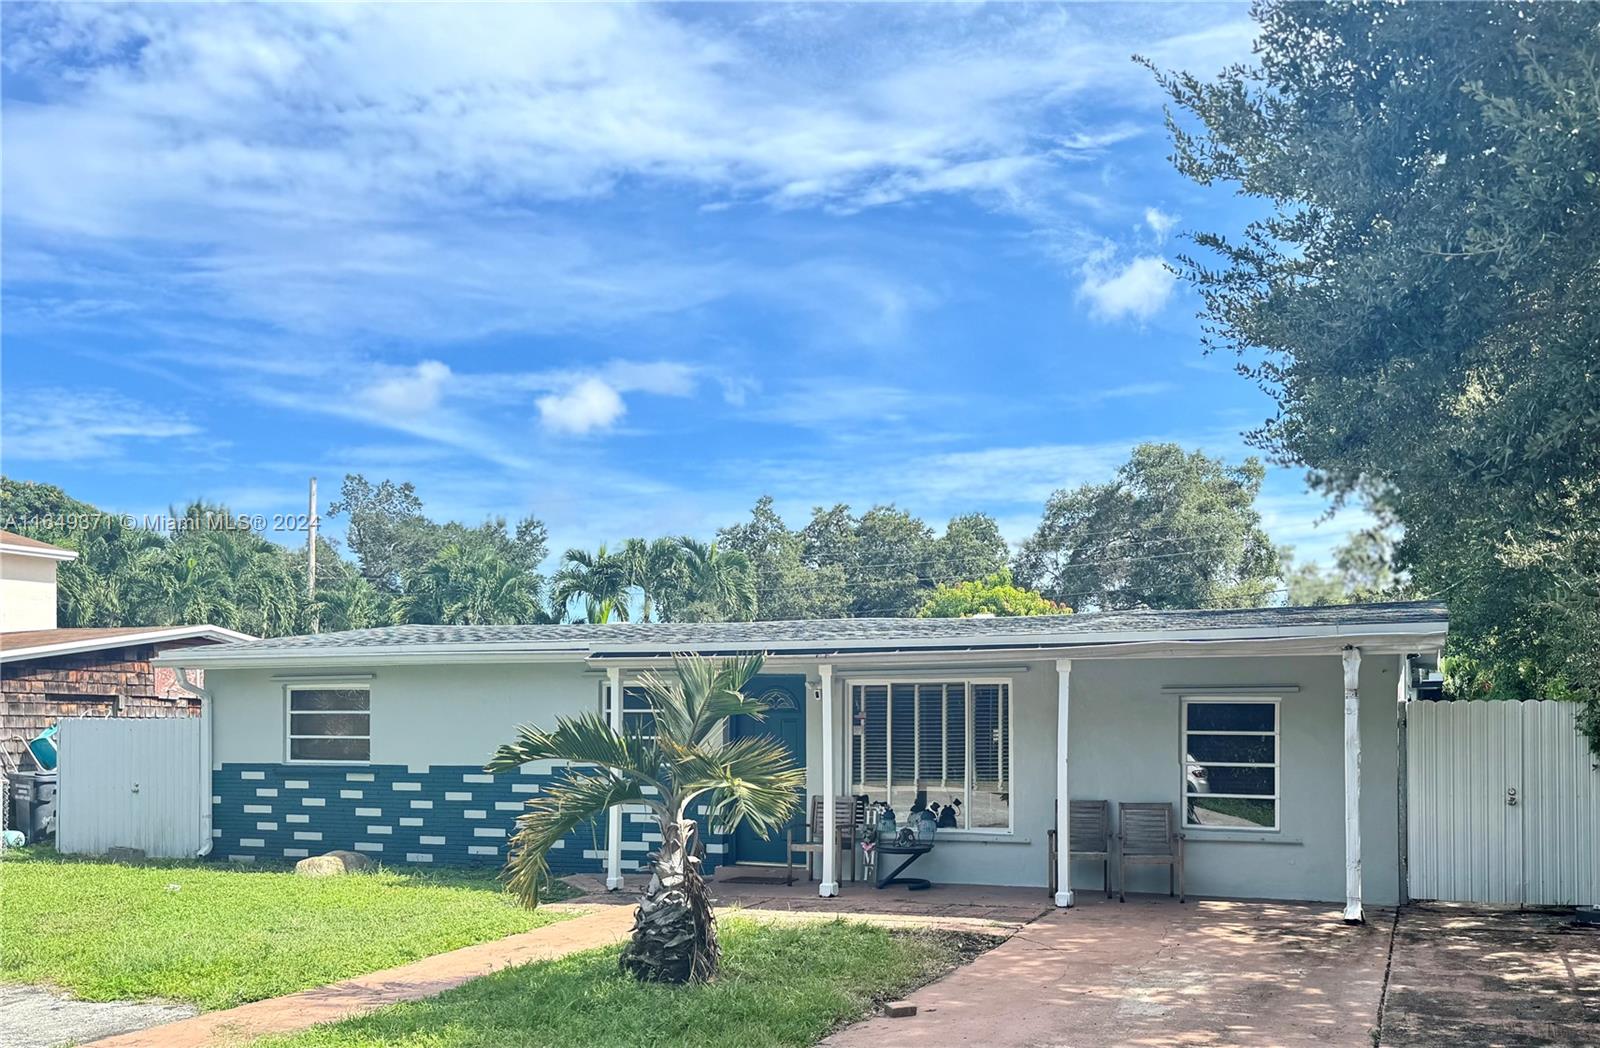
[[1465, 975], [1153, 972]]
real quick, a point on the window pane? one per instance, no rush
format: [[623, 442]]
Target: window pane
[[1224, 812], [955, 735], [329, 723], [903, 734], [991, 790], [1212, 779], [1231, 749], [329, 699], [1231, 716], [329, 749], [931, 753]]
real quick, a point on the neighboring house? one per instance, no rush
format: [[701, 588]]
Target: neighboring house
[[48, 673], [374, 740]]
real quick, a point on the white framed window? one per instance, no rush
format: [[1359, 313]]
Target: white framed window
[[637, 716], [328, 723], [1230, 763], [925, 743]]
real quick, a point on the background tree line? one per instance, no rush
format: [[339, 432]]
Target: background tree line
[[1170, 529]]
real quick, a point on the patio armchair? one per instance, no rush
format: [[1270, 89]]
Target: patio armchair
[[849, 815], [1149, 837], [1090, 840]]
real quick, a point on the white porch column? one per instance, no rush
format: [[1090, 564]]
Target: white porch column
[[1352, 787], [830, 789], [1063, 793], [614, 816]]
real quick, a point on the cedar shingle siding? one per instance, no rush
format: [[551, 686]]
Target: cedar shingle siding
[[111, 681]]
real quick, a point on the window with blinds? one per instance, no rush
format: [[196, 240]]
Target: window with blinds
[[916, 744]]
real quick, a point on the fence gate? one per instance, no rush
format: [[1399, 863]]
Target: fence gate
[[132, 783], [1504, 804]]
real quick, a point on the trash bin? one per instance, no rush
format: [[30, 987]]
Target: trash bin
[[33, 802]]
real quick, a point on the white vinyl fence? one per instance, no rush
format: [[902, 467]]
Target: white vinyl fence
[[131, 783], [1503, 804]]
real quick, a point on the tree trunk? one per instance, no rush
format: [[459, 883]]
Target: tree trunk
[[674, 931]]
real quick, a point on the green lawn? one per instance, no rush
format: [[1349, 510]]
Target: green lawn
[[780, 985], [221, 935]]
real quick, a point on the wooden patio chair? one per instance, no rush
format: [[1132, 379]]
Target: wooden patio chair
[[1091, 840], [849, 815], [1149, 838]]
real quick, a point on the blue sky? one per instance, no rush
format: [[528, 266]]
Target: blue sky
[[623, 268]]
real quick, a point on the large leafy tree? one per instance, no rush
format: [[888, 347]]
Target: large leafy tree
[[787, 585], [1172, 529], [1422, 296], [655, 568], [995, 595], [680, 760]]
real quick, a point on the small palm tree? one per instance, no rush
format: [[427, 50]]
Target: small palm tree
[[679, 760]]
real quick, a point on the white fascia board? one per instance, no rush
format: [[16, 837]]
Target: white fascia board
[[127, 640], [11, 549]]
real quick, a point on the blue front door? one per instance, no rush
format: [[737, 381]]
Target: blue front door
[[786, 722]]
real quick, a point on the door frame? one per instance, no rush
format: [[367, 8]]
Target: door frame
[[794, 685]]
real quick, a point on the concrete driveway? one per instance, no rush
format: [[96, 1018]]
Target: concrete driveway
[[1152, 972], [1260, 973], [1465, 976]]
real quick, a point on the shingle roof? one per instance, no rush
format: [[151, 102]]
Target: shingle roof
[[827, 634]]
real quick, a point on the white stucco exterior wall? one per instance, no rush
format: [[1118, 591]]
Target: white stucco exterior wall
[[27, 593], [1126, 746], [421, 715]]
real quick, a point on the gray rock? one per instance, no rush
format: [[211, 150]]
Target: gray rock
[[333, 864]]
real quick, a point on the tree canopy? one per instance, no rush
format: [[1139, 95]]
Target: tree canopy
[[1422, 298], [994, 595], [1172, 529]]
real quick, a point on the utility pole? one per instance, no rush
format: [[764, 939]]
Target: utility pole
[[311, 553]]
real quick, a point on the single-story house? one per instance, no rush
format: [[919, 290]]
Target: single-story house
[[1271, 732], [47, 673]]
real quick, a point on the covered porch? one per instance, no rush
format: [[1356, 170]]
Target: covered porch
[[1253, 739]]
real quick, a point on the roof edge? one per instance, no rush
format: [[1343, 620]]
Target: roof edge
[[123, 640]]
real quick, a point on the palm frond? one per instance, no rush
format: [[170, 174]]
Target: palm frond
[[553, 814], [751, 781], [585, 739], [701, 694]]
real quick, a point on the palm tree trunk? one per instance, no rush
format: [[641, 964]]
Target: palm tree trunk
[[674, 930]]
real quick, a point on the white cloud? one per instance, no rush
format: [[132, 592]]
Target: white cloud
[[65, 425], [586, 405], [1135, 291], [1159, 221], [412, 391], [283, 157]]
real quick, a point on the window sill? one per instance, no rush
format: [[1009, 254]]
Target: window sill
[[979, 837], [1192, 836]]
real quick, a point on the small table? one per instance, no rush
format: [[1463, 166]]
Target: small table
[[912, 852]]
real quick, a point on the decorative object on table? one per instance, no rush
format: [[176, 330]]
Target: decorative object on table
[[886, 824], [948, 815], [907, 835], [927, 824]]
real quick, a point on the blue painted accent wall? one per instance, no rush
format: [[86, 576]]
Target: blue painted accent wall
[[439, 815]]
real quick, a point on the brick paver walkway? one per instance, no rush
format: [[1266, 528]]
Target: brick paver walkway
[[409, 982]]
